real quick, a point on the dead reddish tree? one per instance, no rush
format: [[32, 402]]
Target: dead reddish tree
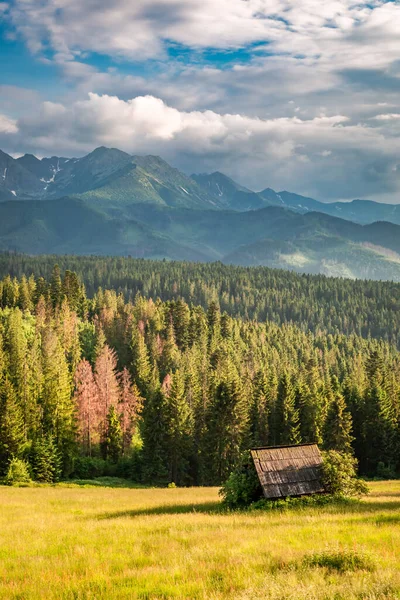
[[87, 403]]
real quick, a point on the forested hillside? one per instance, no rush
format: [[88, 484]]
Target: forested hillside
[[113, 203], [315, 302], [162, 391]]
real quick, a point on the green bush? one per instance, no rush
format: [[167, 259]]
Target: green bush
[[301, 502], [242, 486], [340, 475], [91, 467], [88, 467], [384, 471], [18, 472]]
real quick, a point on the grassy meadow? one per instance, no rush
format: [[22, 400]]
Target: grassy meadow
[[80, 543]]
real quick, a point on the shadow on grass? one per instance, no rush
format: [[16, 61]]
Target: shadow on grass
[[167, 509], [107, 482], [217, 508]]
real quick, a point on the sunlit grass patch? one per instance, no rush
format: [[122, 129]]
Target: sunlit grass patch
[[105, 543]]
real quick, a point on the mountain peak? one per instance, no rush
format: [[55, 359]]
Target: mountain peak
[[28, 155], [104, 151]]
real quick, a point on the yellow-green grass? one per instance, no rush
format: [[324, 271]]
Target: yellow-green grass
[[104, 543]]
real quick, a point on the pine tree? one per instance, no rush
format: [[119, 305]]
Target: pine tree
[[288, 415], [46, 460], [100, 340], [72, 290], [155, 438], [32, 388], [57, 403], [56, 287], [260, 411], [170, 354], [226, 424], [112, 445], [2, 359], [181, 317], [12, 434], [179, 427], [24, 296], [338, 424], [141, 367], [309, 402], [17, 348]]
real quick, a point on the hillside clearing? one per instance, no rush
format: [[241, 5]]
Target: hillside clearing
[[97, 543]]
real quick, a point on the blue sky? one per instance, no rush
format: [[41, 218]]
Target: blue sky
[[300, 95]]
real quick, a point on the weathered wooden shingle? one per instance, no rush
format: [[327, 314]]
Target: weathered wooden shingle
[[289, 470]]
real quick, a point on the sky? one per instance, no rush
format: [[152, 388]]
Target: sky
[[301, 95]]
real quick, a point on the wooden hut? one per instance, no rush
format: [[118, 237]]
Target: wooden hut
[[289, 470]]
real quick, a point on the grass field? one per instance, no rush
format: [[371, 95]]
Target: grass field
[[102, 543]]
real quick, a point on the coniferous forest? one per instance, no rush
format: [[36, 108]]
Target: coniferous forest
[[165, 372]]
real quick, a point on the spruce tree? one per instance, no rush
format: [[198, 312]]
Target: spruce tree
[[56, 287], [169, 359], [179, 427], [141, 367], [288, 422], [338, 424], [24, 296], [57, 403], [45, 459], [154, 428], [227, 422], [260, 411], [112, 445], [12, 434]]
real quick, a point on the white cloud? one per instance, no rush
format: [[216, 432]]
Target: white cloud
[[340, 32], [288, 152], [387, 117], [7, 125]]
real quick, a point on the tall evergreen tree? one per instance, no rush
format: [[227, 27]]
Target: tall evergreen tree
[[338, 424], [226, 424], [155, 438], [56, 286], [260, 411], [113, 443], [57, 402], [12, 434], [179, 427], [141, 367], [288, 422]]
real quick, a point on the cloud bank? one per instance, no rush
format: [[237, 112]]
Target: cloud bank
[[324, 150]]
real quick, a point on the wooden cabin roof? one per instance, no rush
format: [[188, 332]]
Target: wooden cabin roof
[[289, 470]]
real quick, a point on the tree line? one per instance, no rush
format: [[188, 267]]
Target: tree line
[[313, 302], [164, 391]]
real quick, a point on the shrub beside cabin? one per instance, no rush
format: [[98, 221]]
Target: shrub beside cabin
[[289, 470]]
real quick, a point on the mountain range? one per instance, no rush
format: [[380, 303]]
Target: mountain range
[[109, 202]]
